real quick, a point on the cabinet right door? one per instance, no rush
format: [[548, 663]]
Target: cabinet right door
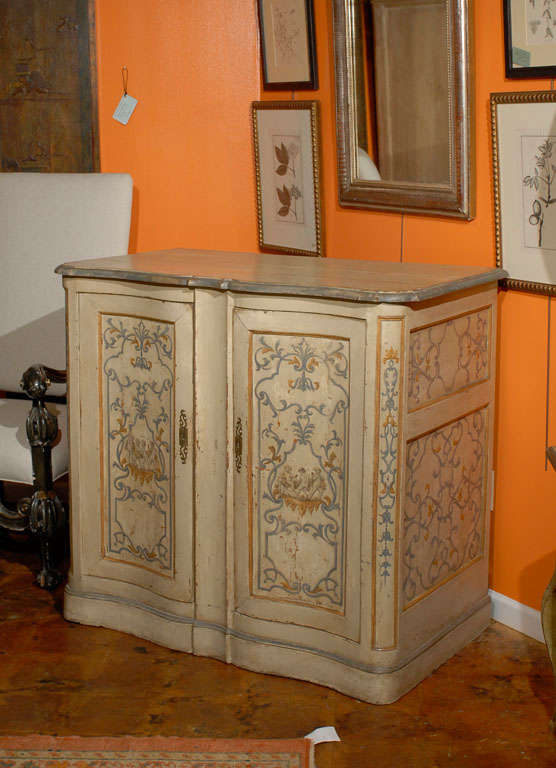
[[298, 392]]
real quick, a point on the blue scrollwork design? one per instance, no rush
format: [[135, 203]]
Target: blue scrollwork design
[[302, 401], [138, 371], [388, 461], [444, 505]]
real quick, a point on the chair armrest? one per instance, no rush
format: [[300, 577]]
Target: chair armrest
[[42, 513], [36, 380]]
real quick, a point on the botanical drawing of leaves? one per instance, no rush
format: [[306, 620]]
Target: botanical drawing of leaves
[[293, 149], [295, 192], [282, 154], [284, 195], [531, 181], [285, 198]]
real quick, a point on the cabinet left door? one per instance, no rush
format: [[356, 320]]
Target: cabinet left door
[[131, 449]]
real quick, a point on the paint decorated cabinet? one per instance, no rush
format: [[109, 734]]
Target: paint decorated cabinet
[[282, 462]]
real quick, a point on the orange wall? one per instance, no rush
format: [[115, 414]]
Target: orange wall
[[194, 66]]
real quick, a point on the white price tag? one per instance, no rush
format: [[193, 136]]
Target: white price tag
[[125, 108]]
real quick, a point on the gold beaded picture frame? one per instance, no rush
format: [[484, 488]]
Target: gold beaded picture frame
[[523, 127], [287, 166]]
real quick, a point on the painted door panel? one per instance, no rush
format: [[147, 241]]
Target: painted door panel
[[136, 475], [298, 401]]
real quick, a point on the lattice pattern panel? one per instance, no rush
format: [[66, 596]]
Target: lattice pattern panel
[[447, 357], [444, 511]]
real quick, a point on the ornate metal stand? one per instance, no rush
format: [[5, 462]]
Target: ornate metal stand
[[548, 610], [42, 513]]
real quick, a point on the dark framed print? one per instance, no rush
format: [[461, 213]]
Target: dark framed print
[[288, 45], [524, 163], [287, 167], [530, 38]]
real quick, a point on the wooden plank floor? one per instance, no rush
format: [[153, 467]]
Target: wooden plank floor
[[488, 706]]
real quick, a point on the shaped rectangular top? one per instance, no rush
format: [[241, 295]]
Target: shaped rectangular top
[[285, 274]]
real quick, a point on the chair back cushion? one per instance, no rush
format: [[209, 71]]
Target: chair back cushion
[[45, 220]]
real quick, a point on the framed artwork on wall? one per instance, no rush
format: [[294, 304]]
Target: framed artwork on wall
[[287, 167], [524, 161], [530, 38], [288, 45]]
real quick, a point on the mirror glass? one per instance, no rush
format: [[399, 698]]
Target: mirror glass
[[403, 105]]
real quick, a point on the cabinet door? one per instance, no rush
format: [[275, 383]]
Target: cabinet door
[[298, 416], [135, 475]]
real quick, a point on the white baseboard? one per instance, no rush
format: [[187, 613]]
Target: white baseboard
[[516, 615]]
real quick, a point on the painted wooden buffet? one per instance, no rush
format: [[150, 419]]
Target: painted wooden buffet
[[283, 462]]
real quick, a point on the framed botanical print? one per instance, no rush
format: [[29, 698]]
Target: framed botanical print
[[524, 153], [287, 166], [530, 37], [288, 45]]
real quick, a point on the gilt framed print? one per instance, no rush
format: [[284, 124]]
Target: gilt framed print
[[530, 38], [287, 166], [288, 44], [524, 161]]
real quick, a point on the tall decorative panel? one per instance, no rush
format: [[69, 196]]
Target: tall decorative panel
[[138, 422], [299, 429], [389, 368], [300, 420], [137, 403]]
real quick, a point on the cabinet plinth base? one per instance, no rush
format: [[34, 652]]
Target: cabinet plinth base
[[378, 686]]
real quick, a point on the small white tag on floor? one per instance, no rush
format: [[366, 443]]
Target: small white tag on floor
[[321, 735]]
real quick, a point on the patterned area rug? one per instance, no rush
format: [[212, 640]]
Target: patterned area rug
[[130, 752]]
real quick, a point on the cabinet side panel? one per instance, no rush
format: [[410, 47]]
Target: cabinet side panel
[[447, 461], [447, 357], [444, 511]]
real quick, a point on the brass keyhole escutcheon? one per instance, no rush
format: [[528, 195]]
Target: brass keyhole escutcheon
[[238, 444], [183, 436]]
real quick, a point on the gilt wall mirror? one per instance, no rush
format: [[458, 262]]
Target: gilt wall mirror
[[404, 105]]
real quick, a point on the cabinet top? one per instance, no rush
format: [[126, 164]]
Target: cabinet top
[[365, 281]]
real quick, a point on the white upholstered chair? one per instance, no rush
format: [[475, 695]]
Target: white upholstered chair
[[45, 219]]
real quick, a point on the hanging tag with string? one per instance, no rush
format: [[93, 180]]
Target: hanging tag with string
[[127, 103]]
